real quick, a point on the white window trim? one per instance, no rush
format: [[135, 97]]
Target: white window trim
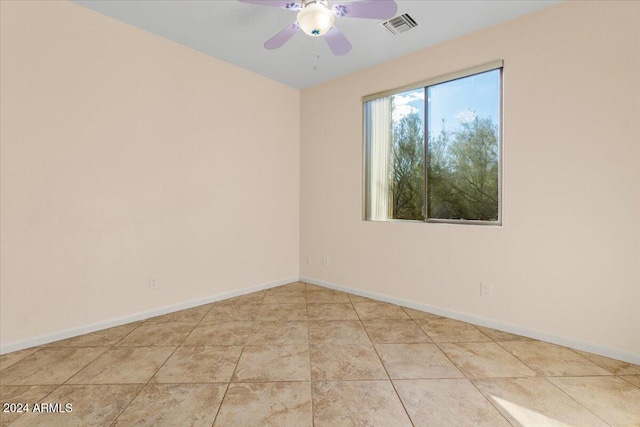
[[489, 66], [437, 80]]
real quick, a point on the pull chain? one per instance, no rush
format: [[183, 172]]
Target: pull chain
[[315, 67]]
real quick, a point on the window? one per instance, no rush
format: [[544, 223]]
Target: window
[[433, 150]]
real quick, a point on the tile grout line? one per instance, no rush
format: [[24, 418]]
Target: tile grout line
[[542, 375], [384, 367], [108, 347], [574, 399], [538, 374], [57, 386], [228, 386], [393, 386], [313, 419], [65, 383], [40, 400], [624, 379], [545, 378], [489, 401], [79, 370], [470, 380], [595, 363], [395, 390], [36, 349], [236, 366], [419, 327], [115, 421], [238, 361], [262, 303]]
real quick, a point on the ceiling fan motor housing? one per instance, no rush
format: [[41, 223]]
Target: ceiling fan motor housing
[[315, 18], [305, 3]]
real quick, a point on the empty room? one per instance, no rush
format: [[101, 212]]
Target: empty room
[[319, 213]]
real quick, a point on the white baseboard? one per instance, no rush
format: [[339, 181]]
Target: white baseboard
[[613, 353], [601, 350], [73, 332]]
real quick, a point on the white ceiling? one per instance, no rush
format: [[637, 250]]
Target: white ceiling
[[235, 32]]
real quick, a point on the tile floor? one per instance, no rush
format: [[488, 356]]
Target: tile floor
[[301, 355]]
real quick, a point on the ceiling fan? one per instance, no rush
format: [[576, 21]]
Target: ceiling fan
[[316, 18]]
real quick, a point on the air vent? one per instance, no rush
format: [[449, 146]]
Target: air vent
[[400, 24]]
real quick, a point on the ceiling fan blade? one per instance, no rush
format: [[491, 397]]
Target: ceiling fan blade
[[337, 42], [282, 37], [372, 9], [284, 4]]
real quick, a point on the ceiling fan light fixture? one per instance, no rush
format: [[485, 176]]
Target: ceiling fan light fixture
[[316, 19]]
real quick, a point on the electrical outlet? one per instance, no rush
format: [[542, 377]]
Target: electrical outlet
[[486, 290], [326, 261], [152, 283], [307, 259]]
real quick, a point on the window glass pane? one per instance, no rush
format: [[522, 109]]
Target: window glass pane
[[378, 152], [394, 144], [406, 185], [464, 148]]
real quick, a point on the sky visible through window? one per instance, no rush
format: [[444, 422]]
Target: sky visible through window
[[453, 103], [462, 168]]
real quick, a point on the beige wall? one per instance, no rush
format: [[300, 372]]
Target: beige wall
[[566, 262], [126, 155]]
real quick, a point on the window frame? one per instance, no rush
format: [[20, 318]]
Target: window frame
[[456, 75]]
